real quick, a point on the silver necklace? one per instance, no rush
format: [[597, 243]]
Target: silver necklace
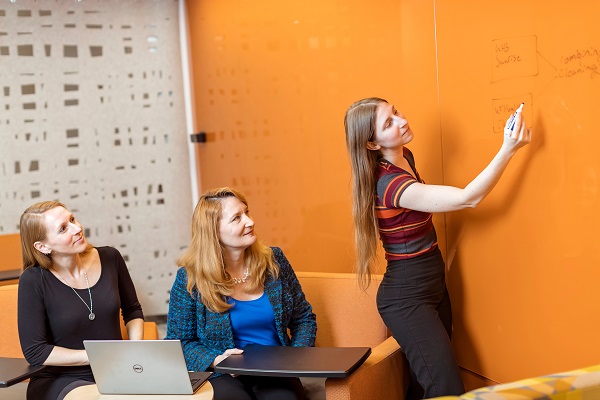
[[237, 281], [92, 316]]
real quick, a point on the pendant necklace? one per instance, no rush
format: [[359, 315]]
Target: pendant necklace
[[92, 316], [237, 281]]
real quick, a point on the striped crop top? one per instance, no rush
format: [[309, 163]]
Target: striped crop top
[[404, 233]]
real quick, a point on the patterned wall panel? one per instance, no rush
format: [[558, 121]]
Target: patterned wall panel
[[92, 114]]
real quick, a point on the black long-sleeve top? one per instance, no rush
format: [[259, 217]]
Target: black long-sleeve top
[[50, 313]]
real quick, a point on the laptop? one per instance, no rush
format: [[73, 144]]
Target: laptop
[[318, 362], [141, 367]]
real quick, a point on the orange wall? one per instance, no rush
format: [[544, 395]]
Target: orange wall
[[524, 265], [272, 81]]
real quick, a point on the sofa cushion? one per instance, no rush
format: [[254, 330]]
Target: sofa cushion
[[346, 315]]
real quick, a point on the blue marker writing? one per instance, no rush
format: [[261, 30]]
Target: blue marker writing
[[514, 117]]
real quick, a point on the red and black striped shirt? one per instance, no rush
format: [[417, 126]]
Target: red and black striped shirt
[[404, 233]]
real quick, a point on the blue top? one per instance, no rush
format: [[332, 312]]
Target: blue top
[[253, 322], [205, 334]]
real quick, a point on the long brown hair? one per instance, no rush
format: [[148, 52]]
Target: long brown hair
[[33, 229], [203, 259], [359, 123]]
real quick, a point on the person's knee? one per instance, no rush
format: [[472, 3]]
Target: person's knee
[[231, 394], [277, 394], [225, 387], [280, 389]]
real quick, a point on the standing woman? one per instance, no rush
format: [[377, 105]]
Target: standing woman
[[231, 291], [69, 292], [393, 203]]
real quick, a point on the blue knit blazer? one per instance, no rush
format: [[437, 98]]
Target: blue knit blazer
[[205, 334]]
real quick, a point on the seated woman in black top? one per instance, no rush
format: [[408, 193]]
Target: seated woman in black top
[[69, 291]]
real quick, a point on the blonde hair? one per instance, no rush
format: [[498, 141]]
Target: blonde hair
[[33, 229], [203, 259], [359, 123]]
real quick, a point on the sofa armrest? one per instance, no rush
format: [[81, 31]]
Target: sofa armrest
[[150, 331], [9, 332], [383, 375]]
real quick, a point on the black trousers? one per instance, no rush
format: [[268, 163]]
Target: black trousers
[[46, 386], [246, 387], [413, 302]]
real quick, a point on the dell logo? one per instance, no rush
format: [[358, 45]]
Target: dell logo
[[138, 368]]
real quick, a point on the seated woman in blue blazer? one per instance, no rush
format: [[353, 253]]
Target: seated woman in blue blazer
[[231, 291]]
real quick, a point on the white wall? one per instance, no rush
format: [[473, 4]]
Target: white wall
[[92, 114]]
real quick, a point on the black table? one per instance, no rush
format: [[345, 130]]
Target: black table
[[9, 274], [15, 370], [320, 362]]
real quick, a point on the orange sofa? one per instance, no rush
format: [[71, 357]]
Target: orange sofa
[[346, 317]]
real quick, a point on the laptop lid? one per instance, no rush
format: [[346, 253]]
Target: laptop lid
[[141, 367], [295, 361]]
